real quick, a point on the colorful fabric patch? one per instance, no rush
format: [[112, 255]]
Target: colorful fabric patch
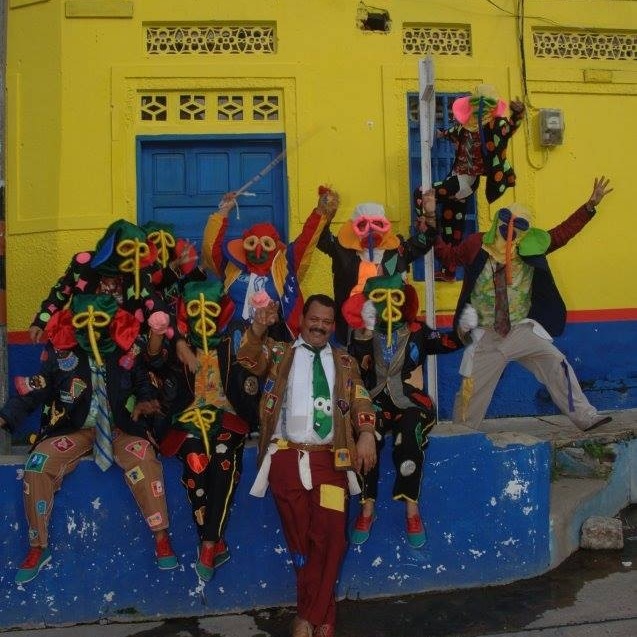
[[221, 449], [200, 514], [269, 384], [197, 462], [298, 560], [342, 458], [44, 356], [366, 419], [36, 462], [361, 392], [343, 406], [224, 435], [77, 387], [155, 519], [40, 507], [277, 354], [135, 475], [251, 385], [270, 403], [67, 361], [138, 448], [346, 361], [63, 444], [332, 497], [26, 384], [55, 415], [190, 483], [225, 465], [157, 487], [66, 397]]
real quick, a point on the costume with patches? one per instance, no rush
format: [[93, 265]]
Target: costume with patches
[[366, 246], [119, 266], [175, 262], [260, 261], [480, 136], [535, 312], [308, 476], [390, 343], [91, 343], [208, 413]]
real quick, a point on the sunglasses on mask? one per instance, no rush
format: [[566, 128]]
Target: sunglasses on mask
[[519, 223], [364, 225]]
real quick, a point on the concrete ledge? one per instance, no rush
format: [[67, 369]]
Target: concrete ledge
[[485, 506]]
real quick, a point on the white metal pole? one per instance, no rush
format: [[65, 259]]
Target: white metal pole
[[427, 112]]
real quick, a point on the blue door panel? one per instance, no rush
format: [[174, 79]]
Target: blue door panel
[[170, 174], [182, 181]]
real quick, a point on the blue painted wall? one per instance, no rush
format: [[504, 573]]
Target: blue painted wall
[[486, 509]]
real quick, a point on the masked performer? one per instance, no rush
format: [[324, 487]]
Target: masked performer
[[209, 412], [260, 262], [510, 309], [367, 246], [390, 343], [481, 135], [120, 266], [90, 376]]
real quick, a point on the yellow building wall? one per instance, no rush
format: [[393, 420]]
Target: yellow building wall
[[76, 70]]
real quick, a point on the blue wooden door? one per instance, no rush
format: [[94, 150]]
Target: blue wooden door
[[182, 179]]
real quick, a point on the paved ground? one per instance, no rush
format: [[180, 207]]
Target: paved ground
[[591, 594]]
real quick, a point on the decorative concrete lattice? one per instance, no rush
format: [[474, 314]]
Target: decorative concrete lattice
[[584, 45], [192, 107], [265, 107], [450, 40], [154, 108], [188, 40], [252, 106]]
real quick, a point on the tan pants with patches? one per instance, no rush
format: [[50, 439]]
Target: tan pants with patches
[[57, 456]]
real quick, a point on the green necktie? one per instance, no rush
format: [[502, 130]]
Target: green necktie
[[321, 395]]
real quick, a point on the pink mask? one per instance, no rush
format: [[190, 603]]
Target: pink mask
[[365, 225]]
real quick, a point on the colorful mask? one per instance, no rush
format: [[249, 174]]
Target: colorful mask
[[256, 248], [369, 228], [204, 306], [123, 248], [388, 297], [513, 226]]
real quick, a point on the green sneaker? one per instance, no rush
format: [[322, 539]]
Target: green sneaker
[[36, 558]]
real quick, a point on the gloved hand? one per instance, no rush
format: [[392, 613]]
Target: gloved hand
[[468, 318]]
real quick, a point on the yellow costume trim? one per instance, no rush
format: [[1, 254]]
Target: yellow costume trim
[[393, 299], [136, 250], [90, 320], [205, 311], [164, 242], [203, 420], [467, 392]]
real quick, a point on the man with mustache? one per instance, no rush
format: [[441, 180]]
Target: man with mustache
[[366, 246], [510, 308], [313, 436]]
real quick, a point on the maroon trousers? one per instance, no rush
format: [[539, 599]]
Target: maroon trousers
[[314, 523]]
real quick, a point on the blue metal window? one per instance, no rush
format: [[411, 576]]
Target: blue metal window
[[442, 156]]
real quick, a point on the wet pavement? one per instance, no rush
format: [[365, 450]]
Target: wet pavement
[[591, 594]]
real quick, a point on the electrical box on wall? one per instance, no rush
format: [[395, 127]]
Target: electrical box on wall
[[551, 126]]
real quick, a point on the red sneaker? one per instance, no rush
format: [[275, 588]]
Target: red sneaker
[[166, 558], [416, 534], [36, 558], [362, 528], [210, 558]]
